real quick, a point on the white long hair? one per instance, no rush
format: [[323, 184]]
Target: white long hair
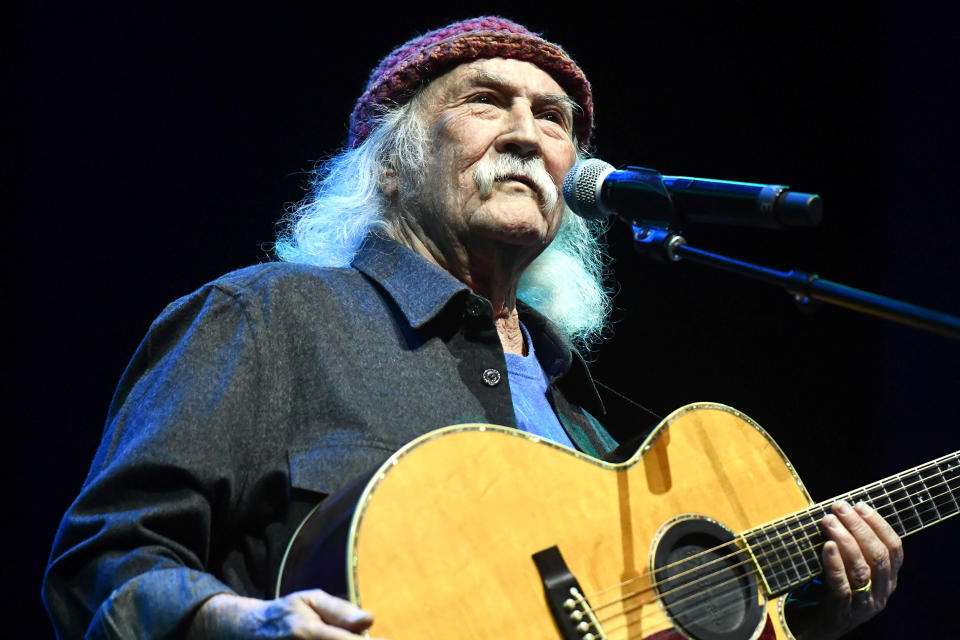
[[345, 202]]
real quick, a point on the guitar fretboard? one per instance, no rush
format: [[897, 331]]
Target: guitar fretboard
[[787, 551]]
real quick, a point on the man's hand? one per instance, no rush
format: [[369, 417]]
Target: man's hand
[[860, 565], [306, 615]]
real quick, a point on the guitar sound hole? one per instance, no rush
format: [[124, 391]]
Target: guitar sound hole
[[705, 581]]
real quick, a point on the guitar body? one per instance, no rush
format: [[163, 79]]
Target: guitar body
[[441, 541]]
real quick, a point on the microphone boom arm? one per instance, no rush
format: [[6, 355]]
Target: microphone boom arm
[[661, 243]]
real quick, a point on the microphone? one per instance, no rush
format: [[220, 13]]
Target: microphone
[[594, 188]]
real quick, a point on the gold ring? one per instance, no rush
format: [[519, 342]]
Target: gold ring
[[865, 588]]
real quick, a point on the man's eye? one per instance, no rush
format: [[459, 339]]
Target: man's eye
[[554, 116], [482, 98]]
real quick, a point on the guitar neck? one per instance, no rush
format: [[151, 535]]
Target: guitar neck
[[787, 551]]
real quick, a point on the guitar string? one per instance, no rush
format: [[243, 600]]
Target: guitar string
[[765, 554], [699, 594], [711, 601], [726, 605], [728, 599], [823, 507], [775, 574], [677, 589], [724, 599]]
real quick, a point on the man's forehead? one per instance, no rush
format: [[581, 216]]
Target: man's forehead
[[515, 75]]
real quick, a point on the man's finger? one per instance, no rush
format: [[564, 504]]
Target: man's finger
[[336, 611], [872, 548], [322, 631], [887, 536], [858, 569], [834, 571]]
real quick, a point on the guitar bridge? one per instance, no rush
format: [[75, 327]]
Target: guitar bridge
[[571, 612]]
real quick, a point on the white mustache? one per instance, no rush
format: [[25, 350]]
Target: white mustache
[[503, 166]]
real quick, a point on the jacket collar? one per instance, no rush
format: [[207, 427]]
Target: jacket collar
[[421, 290]]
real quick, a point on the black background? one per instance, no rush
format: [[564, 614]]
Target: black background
[[153, 148]]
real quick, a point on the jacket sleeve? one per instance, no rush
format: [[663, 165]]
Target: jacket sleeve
[[131, 555]]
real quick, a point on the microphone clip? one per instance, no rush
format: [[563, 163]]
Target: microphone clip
[[643, 198], [657, 242]]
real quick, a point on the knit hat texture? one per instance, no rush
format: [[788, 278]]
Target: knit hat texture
[[426, 57]]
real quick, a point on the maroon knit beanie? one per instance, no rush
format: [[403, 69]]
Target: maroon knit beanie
[[425, 57]]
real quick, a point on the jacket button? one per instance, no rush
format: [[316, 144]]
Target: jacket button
[[491, 377], [474, 307]]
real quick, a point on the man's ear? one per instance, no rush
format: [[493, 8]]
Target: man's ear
[[388, 182]]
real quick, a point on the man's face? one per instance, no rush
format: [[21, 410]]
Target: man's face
[[495, 125]]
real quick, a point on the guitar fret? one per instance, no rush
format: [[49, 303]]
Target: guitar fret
[[922, 499], [930, 481], [765, 552], [785, 555], [949, 475], [787, 552], [879, 499], [794, 530], [895, 520], [903, 502], [810, 544], [858, 495], [771, 559]]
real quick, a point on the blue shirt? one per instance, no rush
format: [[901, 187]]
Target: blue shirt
[[528, 386]]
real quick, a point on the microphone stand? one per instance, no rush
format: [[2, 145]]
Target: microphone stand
[[664, 244]]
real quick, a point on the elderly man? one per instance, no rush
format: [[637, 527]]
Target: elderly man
[[433, 277]]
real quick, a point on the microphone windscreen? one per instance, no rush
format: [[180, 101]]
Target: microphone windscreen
[[581, 187]]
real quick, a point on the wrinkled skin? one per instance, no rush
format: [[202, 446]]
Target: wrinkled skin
[[305, 615], [475, 112], [863, 549]]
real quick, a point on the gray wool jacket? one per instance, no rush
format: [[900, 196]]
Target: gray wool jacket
[[256, 396]]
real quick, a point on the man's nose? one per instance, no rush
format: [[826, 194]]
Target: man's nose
[[521, 135]]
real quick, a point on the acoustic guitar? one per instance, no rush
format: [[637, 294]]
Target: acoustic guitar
[[483, 532]]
